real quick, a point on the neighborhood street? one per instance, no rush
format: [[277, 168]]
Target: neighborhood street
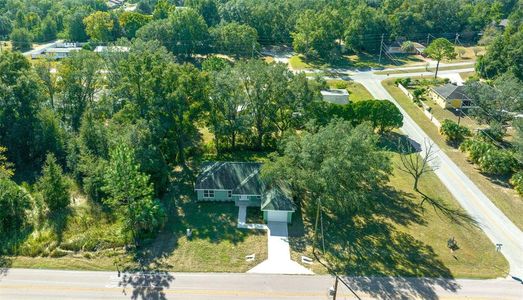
[[494, 223], [51, 284]]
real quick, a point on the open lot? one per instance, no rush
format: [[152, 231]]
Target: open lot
[[498, 192]]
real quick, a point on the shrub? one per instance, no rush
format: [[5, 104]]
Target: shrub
[[454, 133], [497, 162], [496, 131], [517, 182], [14, 205], [417, 93], [476, 149], [403, 81]]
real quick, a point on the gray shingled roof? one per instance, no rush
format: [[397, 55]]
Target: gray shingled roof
[[450, 91], [243, 178], [277, 197], [240, 177]]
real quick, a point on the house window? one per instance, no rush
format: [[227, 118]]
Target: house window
[[229, 194], [208, 194]]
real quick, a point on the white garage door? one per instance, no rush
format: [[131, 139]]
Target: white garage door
[[277, 216]]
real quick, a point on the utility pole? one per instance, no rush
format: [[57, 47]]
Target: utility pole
[[428, 38], [381, 46], [335, 288]]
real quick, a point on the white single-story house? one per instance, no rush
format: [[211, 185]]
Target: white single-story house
[[56, 50], [240, 182], [450, 96], [336, 96]]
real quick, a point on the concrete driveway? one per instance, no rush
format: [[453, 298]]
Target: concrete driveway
[[279, 259]]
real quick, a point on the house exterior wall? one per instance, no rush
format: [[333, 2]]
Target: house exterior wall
[[438, 99], [253, 200], [219, 195]]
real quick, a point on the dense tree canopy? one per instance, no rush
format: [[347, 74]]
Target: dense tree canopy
[[338, 164]]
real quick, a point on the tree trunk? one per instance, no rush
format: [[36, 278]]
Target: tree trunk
[[437, 68], [233, 140], [416, 180]]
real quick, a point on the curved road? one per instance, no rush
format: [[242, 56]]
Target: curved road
[[494, 223]]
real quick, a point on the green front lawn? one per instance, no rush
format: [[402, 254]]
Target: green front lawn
[[424, 69], [357, 92], [412, 241], [355, 61], [506, 199]]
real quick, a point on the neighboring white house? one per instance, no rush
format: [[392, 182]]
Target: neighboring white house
[[336, 96], [100, 49], [56, 50]]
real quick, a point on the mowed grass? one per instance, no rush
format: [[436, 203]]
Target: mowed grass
[[417, 248], [359, 61], [505, 198], [467, 53], [357, 92], [424, 69]]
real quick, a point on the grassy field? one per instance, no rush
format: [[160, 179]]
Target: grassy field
[[359, 61], [504, 197], [414, 243], [357, 91]]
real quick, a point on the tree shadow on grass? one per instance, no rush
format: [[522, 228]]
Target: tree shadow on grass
[[371, 246], [398, 143], [377, 257]]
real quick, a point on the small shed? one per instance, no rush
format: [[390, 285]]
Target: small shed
[[336, 96]]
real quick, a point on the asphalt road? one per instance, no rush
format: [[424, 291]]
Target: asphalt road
[[51, 284], [492, 221]]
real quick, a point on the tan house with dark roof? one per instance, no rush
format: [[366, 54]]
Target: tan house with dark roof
[[450, 96]]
